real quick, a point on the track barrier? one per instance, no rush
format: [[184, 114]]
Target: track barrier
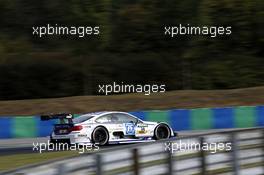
[[245, 156], [179, 119]]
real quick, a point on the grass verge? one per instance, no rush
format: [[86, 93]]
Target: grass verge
[[132, 102], [14, 161]]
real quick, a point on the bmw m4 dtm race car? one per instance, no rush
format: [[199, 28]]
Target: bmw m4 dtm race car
[[106, 128]]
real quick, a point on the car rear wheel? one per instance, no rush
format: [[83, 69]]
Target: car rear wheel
[[100, 136], [162, 131]]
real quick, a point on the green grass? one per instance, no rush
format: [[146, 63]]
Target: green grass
[[14, 161]]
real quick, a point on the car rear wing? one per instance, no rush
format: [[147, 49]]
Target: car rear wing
[[60, 116]]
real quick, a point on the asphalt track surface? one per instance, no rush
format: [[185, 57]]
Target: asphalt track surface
[[25, 145]]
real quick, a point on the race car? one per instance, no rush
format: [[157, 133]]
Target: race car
[[104, 128]]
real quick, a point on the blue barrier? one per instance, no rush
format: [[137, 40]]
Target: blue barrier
[[260, 115], [223, 118], [5, 127], [179, 119]]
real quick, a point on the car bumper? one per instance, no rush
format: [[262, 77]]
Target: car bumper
[[72, 138]]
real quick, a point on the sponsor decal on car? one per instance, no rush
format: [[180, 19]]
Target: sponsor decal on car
[[59, 137], [142, 125], [129, 128], [63, 131], [142, 129]]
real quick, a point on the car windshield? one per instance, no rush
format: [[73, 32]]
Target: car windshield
[[82, 118]]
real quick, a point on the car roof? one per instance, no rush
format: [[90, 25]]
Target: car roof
[[97, 114]]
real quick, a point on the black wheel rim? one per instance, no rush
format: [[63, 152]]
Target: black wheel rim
[[100, 136], [162, 132]]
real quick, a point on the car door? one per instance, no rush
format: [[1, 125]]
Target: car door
[[133, 126], [110, 122], [128, 122]]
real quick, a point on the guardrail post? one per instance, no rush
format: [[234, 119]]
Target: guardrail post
[[98, 164], [234, 154], [170, 163], [203, 157], [135, 160], [263, 150]]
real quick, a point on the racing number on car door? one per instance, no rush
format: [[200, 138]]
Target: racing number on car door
[[129, 129]]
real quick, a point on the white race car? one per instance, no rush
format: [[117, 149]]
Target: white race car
[[106, 128]]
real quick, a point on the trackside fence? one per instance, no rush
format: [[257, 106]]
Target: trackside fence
[[228, 152]]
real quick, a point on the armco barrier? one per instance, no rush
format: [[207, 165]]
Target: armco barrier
[[234, 152], [179, 119]]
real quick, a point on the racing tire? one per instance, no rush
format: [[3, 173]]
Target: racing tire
[[100, 136], [162, 131]]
